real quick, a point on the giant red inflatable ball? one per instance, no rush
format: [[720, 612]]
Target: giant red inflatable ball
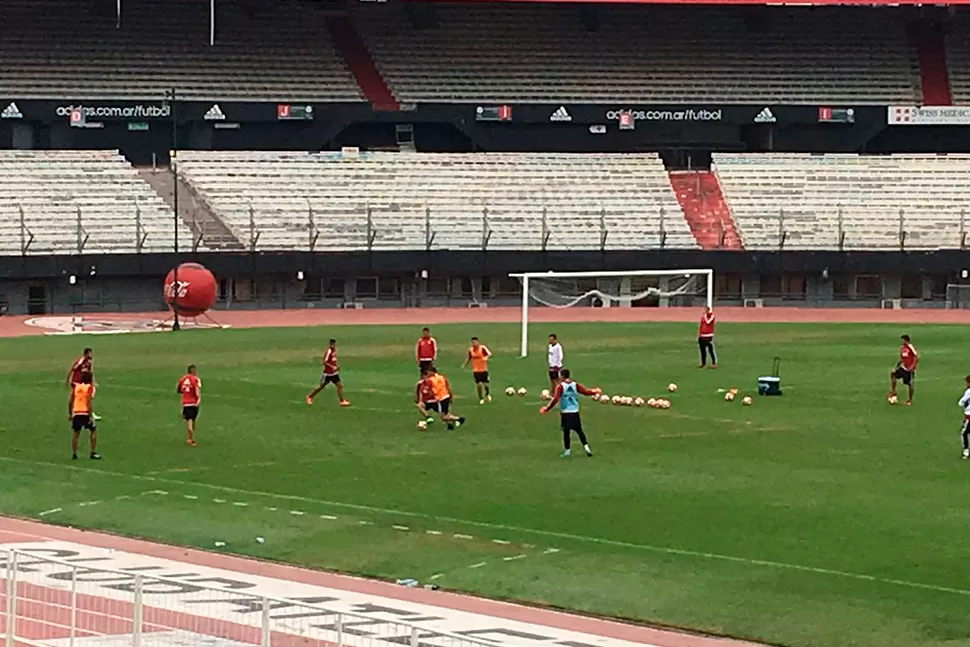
[[196, 290]]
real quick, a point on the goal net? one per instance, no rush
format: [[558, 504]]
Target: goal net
[[957, 296], [641, 288]]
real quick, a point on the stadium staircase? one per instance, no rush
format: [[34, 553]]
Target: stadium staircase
[[354, 52], [931, 54], [195, 213], [707, 213]]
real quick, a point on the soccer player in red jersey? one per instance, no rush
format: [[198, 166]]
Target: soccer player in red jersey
[[705, 338], [426, 350], [81, 365], [190, 388], [331, 375], [424, 398], [905, 368]]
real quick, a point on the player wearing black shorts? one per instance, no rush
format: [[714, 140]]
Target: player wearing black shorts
[[80, 411], [331, 375], [478, 356]]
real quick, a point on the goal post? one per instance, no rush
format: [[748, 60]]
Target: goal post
[[607, 289], [957, 296]]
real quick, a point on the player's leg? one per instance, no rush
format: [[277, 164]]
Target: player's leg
[[93, 430], [892, 381], [965, 437], [702, 347], [189, 416], [910, 380], [74, 443], [340, 390], [566, 437], [319, 387], [578, 428], [488, 388], [710, 348]]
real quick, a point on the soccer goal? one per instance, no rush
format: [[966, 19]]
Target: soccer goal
[[613, 289], [957, 296]]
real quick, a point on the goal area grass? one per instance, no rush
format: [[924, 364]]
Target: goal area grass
[[821, 517]]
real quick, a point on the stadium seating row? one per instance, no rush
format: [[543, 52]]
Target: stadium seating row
[[466, 52], [96, 202]]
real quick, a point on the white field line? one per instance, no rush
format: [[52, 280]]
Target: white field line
[[601, 541]]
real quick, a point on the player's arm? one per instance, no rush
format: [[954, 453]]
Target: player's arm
[[434, 349], [417, 351], [582, 389], [554, 401], [488, 353], [70, 372], [417, 393], [70, 404], [467, 359], [965, 399]]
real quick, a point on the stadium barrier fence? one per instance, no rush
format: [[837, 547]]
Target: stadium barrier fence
[[50, 602]]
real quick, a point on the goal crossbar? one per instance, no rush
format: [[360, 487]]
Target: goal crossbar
[[527, 277]]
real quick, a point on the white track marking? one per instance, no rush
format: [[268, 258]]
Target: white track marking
[[512, 559], [328, 517], [88, 503], [241, 504], [601, 541], [404, 528], [459, 536], [432, 532], [218, 500], [550, 551], [297, 513], [436, 576], [190, 497], [51, 511], [501, 541], [478, 565]]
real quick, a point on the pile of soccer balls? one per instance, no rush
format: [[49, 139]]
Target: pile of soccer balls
[[732, 393], [892, 399], [521, 391]]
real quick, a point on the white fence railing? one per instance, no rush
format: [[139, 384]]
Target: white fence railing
[[49, 602]]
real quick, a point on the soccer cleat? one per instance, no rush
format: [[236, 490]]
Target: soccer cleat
[[74, 457], [191, 443], [565, 454], [344, 403], [95, 456], [590, 454], [908, 403], [966, 454], [450, 427], [488, 398], [713, 365], [96, 417], [429, 420], [309, 401], [701, 366], [482, 401]]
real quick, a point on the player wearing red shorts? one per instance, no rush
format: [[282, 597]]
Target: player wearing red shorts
[[426, 350], [905, 368], [331, 375], [190, 388]]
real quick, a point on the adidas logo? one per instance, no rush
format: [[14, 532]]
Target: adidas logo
[[214, 113], [561, 115], [11, 112], [766, 116]]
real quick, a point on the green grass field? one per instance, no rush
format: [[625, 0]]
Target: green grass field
[[823, 517]]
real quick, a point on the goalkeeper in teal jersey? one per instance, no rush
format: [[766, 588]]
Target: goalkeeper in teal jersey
[[567, 396]]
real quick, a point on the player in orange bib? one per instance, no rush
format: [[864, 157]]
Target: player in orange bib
[[190, 388], [478, 355], [80, 412], [442, 394]]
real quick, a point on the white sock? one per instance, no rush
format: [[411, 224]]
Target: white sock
[[566, 452], [588, 450]]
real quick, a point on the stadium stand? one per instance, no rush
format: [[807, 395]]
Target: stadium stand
[[413, 201], [65, 49], [958, 58], [812, 198], [67, 196], [475, 52]]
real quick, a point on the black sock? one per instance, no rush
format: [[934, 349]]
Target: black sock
[[965, 434], [487, 391]]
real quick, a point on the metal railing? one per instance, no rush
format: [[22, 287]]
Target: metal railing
[[53, 601]]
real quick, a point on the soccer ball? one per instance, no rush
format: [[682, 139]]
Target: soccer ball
[[892, 399], [746, 400], [638, 401], [617, 399], [422, 425], [664, 404], [605, 399], [510, 391], [672, 387], [522, 391], [545, 395], [652, 402], [628, 400], [729, 396]]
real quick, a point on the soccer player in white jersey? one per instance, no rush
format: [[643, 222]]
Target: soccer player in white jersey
[[965, 428], [567, 395], [554, 354]]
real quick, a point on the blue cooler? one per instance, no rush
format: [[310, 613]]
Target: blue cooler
[[771, 384]]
